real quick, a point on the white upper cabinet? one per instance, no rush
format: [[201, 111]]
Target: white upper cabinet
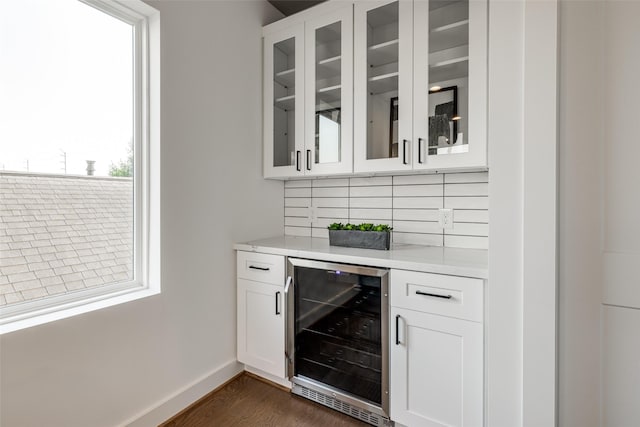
[[283, 102], [382, 86], [309, 95], [450, 84], [376, 86], [420, 85]]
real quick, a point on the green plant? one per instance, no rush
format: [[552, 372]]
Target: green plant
[[359, 227]]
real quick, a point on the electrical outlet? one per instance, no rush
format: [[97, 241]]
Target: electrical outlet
[[445, 218], [313, 214]]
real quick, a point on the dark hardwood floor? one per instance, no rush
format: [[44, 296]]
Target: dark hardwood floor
[[249, 402]]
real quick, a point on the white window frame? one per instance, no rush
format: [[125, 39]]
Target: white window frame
[[146, 23]]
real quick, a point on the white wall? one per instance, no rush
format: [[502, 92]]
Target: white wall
[[621, 228], [107, 367], [580, 211]]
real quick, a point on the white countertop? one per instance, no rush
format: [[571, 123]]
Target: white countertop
[[431, 259]]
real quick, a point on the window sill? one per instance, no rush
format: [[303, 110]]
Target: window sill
[[19, 321]]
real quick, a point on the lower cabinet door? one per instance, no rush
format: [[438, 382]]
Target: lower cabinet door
[[436, 370], [261, 328]]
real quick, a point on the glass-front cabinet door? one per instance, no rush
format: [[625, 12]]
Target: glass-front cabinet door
[[382, 85], [450, 84], [284, 103], [329, 93]]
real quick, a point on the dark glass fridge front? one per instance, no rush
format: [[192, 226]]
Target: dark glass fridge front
[[338, 330]]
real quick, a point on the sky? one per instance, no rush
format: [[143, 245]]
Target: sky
[[65, 87]]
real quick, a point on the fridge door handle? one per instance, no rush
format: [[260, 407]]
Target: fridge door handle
[[289, 316]]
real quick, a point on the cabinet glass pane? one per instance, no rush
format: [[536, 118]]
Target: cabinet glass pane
[[382, 82], [284, 104], [338, 330], [448, 89], [328, 91]]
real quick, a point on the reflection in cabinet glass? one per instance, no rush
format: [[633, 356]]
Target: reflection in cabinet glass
[[328, 86], [448, 77], [382, 80], [284, 152]]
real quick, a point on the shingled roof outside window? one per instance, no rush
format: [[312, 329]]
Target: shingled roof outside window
[[60, 234]]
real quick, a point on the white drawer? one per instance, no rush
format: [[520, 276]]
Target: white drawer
[[459, 297], [261, 267]]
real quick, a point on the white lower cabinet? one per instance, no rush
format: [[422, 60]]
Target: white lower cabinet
[[436, 361], [261, 327]]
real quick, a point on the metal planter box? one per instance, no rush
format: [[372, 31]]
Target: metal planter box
[[360, 239]]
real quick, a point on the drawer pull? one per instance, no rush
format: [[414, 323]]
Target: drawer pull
[[253, 267], [433, 295]]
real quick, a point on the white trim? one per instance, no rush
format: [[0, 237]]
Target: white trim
[[539, 389], [146, 23], [185, 396]]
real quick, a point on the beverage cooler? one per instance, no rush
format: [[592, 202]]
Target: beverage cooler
[[337, 337]]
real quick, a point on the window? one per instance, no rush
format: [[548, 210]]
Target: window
[[79, 157]]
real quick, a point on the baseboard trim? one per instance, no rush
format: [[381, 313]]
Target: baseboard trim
[[186, 396]]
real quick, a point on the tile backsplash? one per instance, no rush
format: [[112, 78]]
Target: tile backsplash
[[409, 203]]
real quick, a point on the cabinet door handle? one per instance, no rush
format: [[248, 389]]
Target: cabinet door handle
[[427, 294], [255, 267], [308, 160], [298, 167], [277, 302], [420, 150], [404, 151], [397, 329]]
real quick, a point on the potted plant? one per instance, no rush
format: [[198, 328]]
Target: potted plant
[[367, 236]]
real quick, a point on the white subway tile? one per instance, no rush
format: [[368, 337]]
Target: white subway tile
[[330, 192], [297, 192], [361, 214], [466, 202], [297, 231], [415, 215], [468, 229], [418, 239], [302, 183], [332, 213], [297, 221], [417, 202], [374, 191], [477, 189], [374, 180], [417, 190], [325, 222], [372, 202], [470, 242], [300, 212], [337, 202], [320, 232], [331, 182], [418, 179], [462, 215], [297, 202], [417, 227], [466, 177]]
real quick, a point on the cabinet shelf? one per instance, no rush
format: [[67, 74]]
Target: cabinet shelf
[[449, 35], [451, 26], [329, 96], [383, 53], [383, 83], [449, 56], [286, 78], [286, 102], [449, 64], [329, 67]]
